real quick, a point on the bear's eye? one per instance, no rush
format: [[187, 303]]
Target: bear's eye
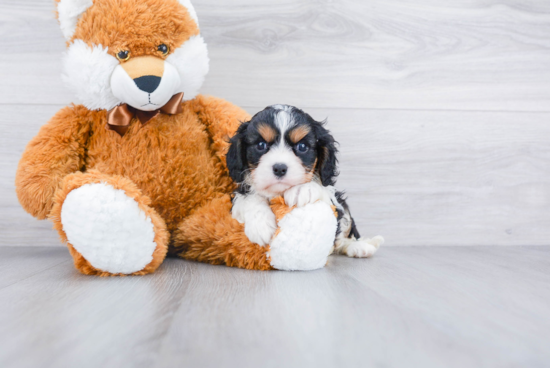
[[123, 55], [164, 49]]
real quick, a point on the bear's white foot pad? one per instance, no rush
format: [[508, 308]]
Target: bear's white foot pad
[[305, 239], [108, 228], [362, 248]]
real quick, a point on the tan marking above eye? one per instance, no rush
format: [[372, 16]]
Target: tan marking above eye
[[267, 132], [144, 65], [298, 133]]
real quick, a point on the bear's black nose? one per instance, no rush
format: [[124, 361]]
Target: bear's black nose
[[148, 83], [280, 170]]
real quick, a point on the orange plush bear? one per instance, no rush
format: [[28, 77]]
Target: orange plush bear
[[137, 171]]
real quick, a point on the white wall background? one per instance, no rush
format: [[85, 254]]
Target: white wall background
[[442, 107]]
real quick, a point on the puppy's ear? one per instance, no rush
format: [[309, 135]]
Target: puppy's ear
[[236, 156], [327, 163]]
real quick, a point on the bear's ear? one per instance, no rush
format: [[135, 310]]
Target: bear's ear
[[68, 13], [190, 9]]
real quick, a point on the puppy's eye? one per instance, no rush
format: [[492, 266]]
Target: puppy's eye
[[262, 146], [123, 55], [164, 49], [302, 147]]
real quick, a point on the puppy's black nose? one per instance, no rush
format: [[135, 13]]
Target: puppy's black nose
[[280, 170], [148, 83]]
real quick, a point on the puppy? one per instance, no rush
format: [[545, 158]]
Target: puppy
[[283, 151]]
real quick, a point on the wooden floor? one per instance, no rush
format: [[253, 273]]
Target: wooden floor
[[406, 307]]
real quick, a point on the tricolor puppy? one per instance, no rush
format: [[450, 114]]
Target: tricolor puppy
[[283, 151]]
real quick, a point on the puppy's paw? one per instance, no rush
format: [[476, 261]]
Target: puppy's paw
[[259, 220], [363, 248], [300, 195], [261, 227]]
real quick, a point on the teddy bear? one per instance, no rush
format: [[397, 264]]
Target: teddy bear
[[137, 171]]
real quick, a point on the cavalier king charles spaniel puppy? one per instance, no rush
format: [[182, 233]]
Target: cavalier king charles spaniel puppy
[[282, 151]]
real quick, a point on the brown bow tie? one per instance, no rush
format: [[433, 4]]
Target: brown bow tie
[[119, 118]]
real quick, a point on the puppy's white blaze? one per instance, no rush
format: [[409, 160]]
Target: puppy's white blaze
[[125, 89], [192, 63], [264, 180], [287, 108], [87, 72], [69, 12], [191, 9], [284, 122]]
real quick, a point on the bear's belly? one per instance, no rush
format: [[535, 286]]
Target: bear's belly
[[171, 162]]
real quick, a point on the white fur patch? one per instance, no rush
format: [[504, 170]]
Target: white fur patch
[[125, 89], [192, 63], [306, 238], [303, 194], [259, 220], [70, 12], [361, 248], [87, 72], [284, 120], [287, 108], [108, 229], [191, 9]]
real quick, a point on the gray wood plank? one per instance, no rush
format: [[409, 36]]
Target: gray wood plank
[[415, 308], [60, 318], [415, 177], [407, 306], [474, 55], [20, 263]]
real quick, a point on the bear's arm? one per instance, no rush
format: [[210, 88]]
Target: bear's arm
[[221, 119], [57, 150]]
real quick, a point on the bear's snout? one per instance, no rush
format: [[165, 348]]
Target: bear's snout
[[148, 83]]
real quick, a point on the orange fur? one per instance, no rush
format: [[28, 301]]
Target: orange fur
[[121, 25], [212, 235], [279, 208], [58, 149], [298, 133], [267, 132]]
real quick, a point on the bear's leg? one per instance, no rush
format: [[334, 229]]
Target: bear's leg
[[213, 236], [108, 225]]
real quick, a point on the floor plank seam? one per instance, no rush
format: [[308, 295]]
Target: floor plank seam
[[35, 274]]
